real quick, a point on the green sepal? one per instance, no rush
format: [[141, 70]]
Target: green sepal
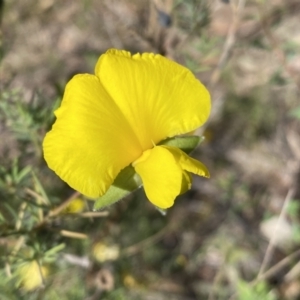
[[185, 143], [128, 181]]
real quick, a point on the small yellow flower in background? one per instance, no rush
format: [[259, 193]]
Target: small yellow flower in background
[[103, 252], [75, 206], [31, 275], [130, 282], [119, 117]]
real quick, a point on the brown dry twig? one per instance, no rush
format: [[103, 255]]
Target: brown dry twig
[[57, 210], [230, 41], [277, 50], [138, 247], [73, 234], [263, 274], [270, 248]]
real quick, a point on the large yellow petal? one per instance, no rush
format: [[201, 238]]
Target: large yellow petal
[[158, 97], [188, 163], [91, 140], [161, 176]]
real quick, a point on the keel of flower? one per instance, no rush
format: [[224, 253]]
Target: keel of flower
[[163, 172], [109, 123]]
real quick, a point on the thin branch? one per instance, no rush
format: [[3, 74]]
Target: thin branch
[[270, 249], [278, 267], [277, 50], [92, 214], [264, 275], [138, 247], [73, 234], [230, 41], [57, 210]]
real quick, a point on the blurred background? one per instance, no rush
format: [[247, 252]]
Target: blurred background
[[233, 236]]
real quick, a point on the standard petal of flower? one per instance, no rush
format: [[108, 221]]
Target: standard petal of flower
[[159, 97], [161, 176], [91, 141], [188, 163]]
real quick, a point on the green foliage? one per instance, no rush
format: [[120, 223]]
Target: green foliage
[[194, 14], [246, 291], [24, 201], [26, 120], [295, 112], [293, 210]]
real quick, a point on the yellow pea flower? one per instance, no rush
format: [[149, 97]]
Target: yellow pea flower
[[118, 117], [31, 275], [75, 206], [103, 252]]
